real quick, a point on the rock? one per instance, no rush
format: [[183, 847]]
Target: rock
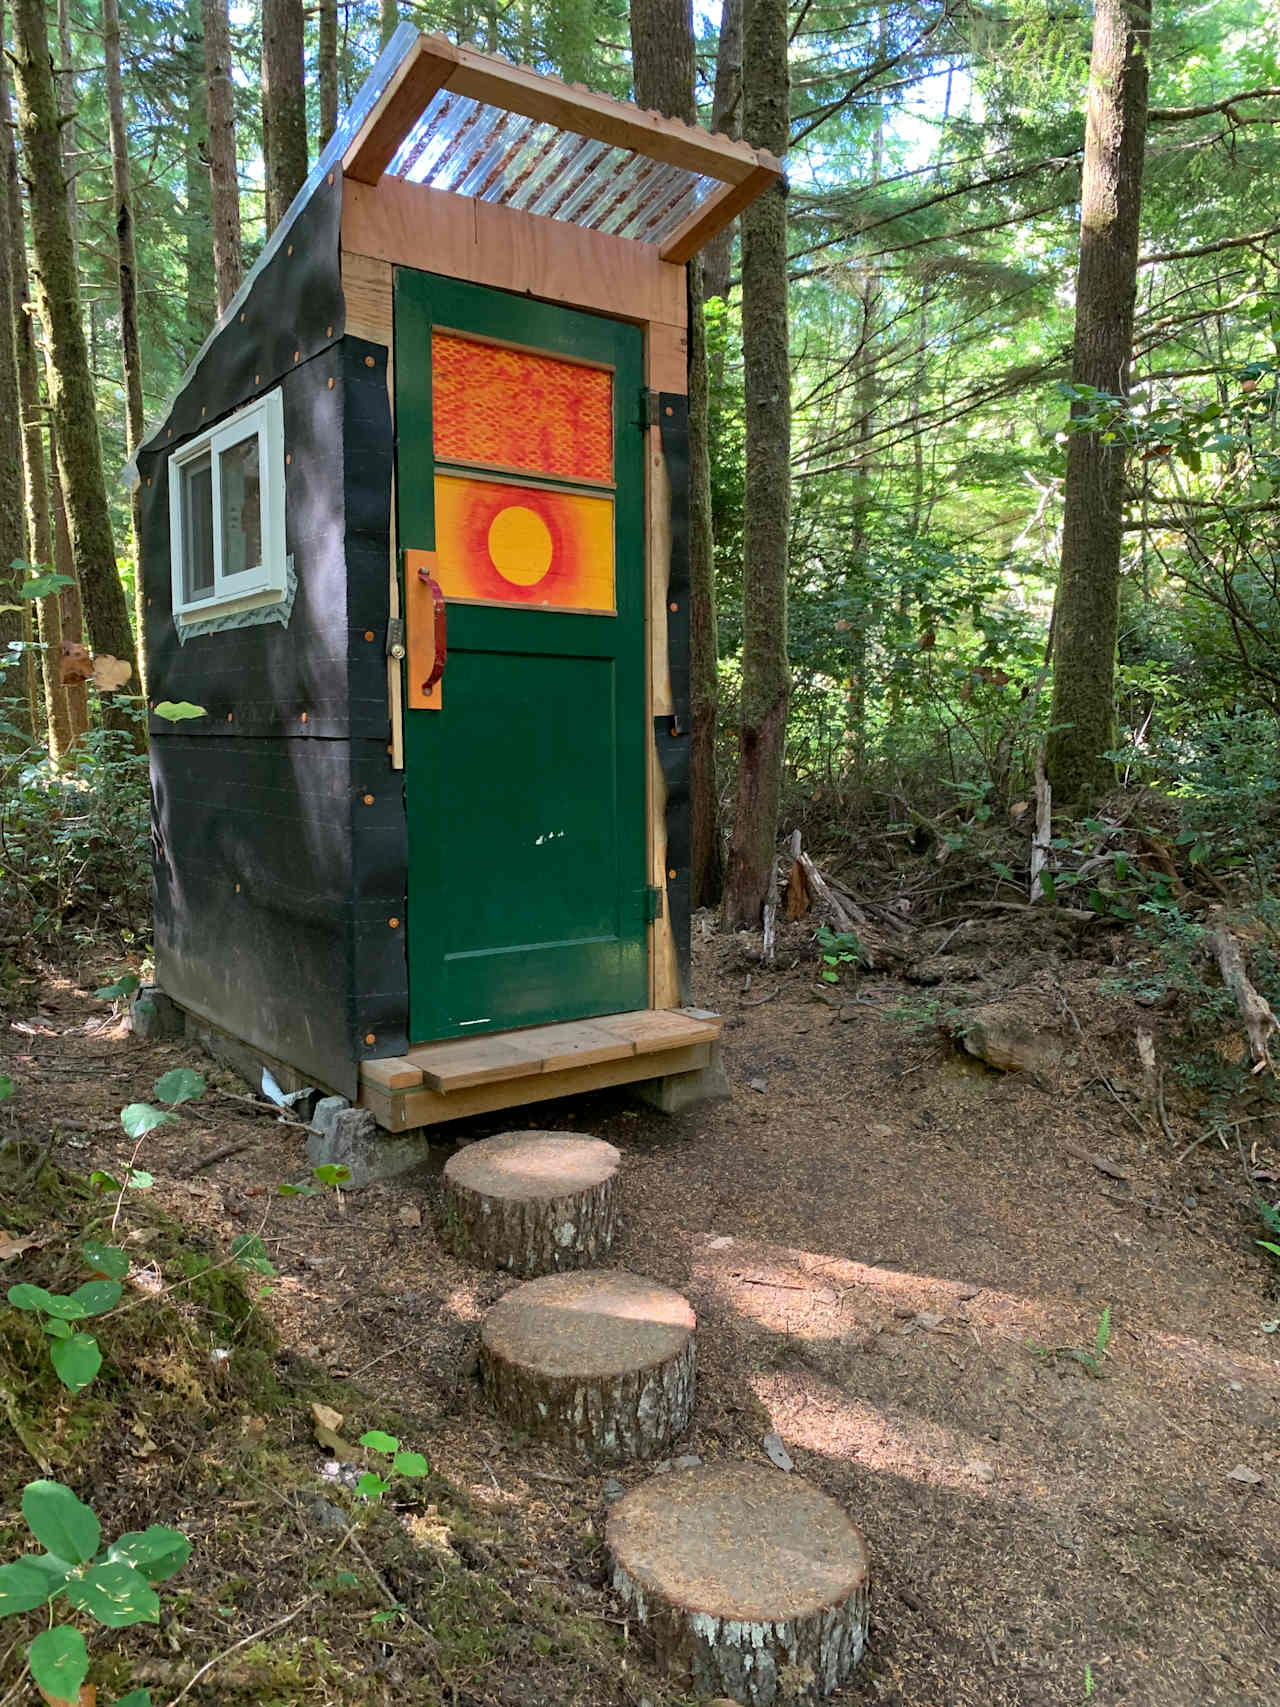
[[749, 1582], [600, 1361], [326, 1112], [532, 1202], [686, 1461], [326, 1516], [348, 1137], [612, 1490], [777, 1452], [154, 1017], [1008, 1042]]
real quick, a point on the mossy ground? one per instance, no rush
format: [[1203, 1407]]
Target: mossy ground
[[409, 1601]]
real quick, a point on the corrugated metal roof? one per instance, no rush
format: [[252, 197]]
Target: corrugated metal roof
[[473, 149]]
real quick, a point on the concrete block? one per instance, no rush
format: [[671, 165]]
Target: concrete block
[[154, 1017], [350, 1137], [680, 1091]]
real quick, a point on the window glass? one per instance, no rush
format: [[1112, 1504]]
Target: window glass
[[240, 477], [197, 513]]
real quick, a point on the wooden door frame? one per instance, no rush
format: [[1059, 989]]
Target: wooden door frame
[[396, 223]]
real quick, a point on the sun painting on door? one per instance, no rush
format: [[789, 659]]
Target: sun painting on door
[[504, 412]]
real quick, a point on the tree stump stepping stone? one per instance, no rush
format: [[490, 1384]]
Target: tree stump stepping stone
[[752, 1582], [602, 1362], [532, 1202]]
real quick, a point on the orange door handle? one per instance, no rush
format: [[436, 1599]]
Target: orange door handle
[[441, 629]]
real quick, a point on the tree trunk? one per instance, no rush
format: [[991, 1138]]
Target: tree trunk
[[70, 602], [198, 194], [662, 61], [726, 117], [15, 619], [284, 106], [388, 20], [1093, 506], [327, 68], [706, 858], [600, 1361], [766, 512], [71, 392], [70, 605], [532, 1202], [224, 179], [858, 581], [752, 1584], [39, 542], [127, 272]]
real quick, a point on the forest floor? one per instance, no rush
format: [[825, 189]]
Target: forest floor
[[895, 1255]]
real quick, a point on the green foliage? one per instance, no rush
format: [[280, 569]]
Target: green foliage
[[1270, 1217], [179, 1085], [411, 1465], [74, 1354], [840, 950], [75, 842], [177, 711], [114, 1585], [1090, 1358]]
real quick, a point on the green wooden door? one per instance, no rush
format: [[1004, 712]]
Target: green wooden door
[[520, 461]]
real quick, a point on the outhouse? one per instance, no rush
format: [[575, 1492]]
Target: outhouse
[[414, 540]]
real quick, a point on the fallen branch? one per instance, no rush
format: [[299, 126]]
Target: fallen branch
[[1260, 1023], [220, 1155], [1044, 828], [244, 1642], [843, 917]]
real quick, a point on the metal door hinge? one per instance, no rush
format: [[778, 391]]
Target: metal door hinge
[[395, 637], [649, 409], [652, 904]]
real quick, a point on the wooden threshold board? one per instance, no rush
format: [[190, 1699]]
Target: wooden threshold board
[[472, 1075]]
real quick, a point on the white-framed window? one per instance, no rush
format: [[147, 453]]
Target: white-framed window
[[226, 514]]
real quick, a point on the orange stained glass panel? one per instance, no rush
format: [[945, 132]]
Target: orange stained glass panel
[[500, 543], [520, 410]]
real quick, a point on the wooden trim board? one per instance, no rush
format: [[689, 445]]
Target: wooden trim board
[[436, 231], [398, 1111]]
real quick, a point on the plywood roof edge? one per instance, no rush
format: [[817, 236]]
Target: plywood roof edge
[[436, 63]]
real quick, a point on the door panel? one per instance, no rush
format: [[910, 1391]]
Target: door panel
[[526, 789]]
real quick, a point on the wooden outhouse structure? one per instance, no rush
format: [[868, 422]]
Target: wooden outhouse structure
[[415, 542]]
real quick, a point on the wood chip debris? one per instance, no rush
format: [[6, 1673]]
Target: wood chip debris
[[1104, 1165]]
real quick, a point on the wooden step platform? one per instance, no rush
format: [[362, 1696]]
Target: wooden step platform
[[752, 1583], [436, 1082]]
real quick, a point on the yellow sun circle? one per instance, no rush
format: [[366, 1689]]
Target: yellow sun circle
[[519, 545]]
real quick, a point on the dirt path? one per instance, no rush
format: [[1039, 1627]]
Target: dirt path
[[871, 1237]]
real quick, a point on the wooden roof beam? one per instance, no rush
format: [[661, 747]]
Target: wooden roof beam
[[435, 63], [419, 77], [714, 214]]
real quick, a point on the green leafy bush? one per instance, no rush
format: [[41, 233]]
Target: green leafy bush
[[113, 1585]]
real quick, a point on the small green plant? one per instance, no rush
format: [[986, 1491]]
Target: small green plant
[[1270, 1214], [840, 949], [179, 1085], [1088, 1683], [331, 1175], [114, 1585], [75, 1355], [120, 989], [372, 1485], [1090, 1358]]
